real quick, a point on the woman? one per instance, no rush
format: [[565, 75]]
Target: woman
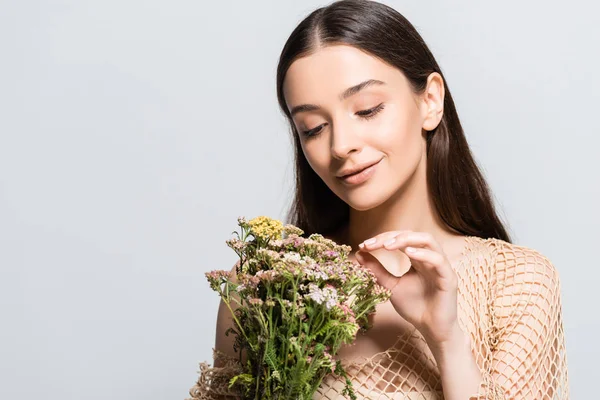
[[383, 166]]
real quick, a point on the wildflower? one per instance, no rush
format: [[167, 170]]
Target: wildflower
[[292, 230], [327, 243], [331, 254], [300, 311], [328, 295], [308, 260], [298, 288], [352, 329], [255, 301], [276, 375], [236, 244], [242, 222], [216, 279], [312, 247], [314, 272], [276, 243], [316, 294], [266, 228], [240, 289], [331, 302], [289, 268], [329, 361], [345, 249], [268, 276], [268, 255], [249, 281], [292, 257], [286, 303], [380, 291], [347, 312], [217, 274]]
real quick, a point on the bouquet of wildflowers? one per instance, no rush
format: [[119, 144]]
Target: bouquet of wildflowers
[[294, 302]]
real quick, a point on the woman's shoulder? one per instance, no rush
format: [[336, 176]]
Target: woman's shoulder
[[518, 263]]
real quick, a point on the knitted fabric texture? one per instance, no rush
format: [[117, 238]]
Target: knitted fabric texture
[[508, 303]]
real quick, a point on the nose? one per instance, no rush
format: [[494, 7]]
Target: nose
[[345, 139]]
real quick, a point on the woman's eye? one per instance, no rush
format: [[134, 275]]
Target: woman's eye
[[365, 114], [371, 112], [314, 131]]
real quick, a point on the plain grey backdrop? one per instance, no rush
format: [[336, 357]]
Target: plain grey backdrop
[[134, 133]]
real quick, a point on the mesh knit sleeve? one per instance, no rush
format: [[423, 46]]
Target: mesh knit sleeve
[[527, 338]]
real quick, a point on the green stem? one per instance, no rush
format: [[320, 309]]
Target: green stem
[[227, 303]]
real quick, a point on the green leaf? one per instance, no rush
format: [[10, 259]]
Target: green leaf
[[271, 356], [246, 380]]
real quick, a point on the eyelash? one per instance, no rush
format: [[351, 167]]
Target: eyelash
[[365, 114]]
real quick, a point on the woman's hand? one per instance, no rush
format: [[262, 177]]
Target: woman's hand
[[426, 295]]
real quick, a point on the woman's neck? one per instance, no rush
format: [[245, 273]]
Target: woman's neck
[[420, 217]]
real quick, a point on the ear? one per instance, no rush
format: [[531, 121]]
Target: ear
[[432, 105]]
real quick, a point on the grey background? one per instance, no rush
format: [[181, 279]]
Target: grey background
[[133, 133]]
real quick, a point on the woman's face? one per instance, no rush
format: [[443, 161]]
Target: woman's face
[[381, 121]]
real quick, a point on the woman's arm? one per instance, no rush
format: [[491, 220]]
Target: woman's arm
[[213, 381], [224, 343], [459, 372], [529, 358], [527, 343]]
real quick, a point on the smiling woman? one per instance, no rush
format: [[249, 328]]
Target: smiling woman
[[382, 165], [354, 125]]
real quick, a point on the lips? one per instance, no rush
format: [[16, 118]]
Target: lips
[[361, 176], [356, 169]]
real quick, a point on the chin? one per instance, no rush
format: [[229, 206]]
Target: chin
[[364, 200]]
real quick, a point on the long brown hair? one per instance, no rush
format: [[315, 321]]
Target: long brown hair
[[459, 191]]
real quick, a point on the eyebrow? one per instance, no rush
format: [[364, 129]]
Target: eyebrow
[[343, 96]]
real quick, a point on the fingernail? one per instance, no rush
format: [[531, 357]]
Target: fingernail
[[360, 246], [411, 250], [389, 242], [370, 241]]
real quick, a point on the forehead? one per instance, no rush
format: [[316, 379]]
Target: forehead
[[323, 75]]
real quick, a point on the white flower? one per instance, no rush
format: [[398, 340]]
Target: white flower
[[292, 257], [327, 295], [241, 288], [316, 294]]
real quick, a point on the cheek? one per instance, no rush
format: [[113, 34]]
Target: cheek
[[397, 133]]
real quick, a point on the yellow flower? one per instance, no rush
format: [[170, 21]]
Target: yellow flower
[[266, 227]]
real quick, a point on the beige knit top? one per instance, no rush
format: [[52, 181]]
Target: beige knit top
[[508, 302]]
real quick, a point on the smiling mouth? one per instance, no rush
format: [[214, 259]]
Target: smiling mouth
[[360, 176], [359, 171]]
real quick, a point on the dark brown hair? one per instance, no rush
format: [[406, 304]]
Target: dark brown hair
[[459, 191]]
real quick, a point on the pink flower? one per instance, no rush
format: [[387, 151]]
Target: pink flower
[[329, 360], [236, 244], [347, 311], [217, 274], [331, 254], [255, 301]]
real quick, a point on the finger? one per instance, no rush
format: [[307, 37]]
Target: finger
[[383, 276], [413, 239], [376, 242], [430, 262]]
